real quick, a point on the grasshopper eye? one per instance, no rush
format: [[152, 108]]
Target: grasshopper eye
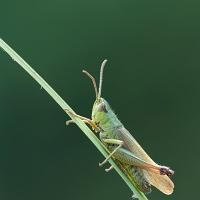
[[102, 108]]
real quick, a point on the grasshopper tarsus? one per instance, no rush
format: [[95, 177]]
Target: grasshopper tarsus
[[69, 122], [101, 164], [109, 169]]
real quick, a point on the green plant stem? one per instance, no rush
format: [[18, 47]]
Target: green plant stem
[[137, 193]]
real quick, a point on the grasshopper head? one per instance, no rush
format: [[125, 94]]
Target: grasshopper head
[[100, 110], [101, 106], [102, 114]]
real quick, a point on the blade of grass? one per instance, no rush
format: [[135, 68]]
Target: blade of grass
[[137, 193]]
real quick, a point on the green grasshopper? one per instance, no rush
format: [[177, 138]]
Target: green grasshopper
[[126, 151]]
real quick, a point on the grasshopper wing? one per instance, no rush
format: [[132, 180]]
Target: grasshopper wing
[[162, 182]]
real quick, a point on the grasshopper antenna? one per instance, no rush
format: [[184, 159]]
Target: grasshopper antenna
[[101, 78], [93, 81]]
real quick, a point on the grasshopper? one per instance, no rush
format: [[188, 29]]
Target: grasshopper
[[123, 147]]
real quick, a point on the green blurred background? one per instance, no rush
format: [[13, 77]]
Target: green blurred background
[[151, 81]]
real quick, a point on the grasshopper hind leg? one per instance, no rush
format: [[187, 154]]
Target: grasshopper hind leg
[[127, 157]]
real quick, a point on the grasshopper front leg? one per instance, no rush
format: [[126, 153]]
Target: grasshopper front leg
[[111, 141], [84, 119]]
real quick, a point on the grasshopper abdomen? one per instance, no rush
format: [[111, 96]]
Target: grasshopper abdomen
[[136, 175]]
